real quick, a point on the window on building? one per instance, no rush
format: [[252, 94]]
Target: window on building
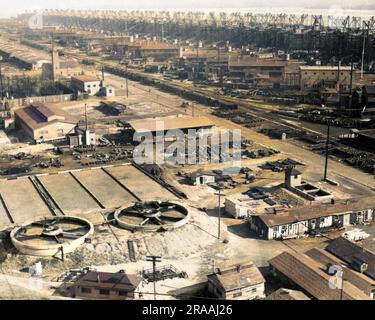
[[122, 293], [253, 290], [237, 294], [85, 290], [104, 292]]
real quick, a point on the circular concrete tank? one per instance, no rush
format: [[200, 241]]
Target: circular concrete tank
[[49, 237], [152, 216]]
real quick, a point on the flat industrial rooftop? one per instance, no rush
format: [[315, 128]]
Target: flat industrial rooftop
[[76, 192]]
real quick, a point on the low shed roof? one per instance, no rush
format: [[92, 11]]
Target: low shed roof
[[107, 280], [304, 213], [170, 123], [348, 251], [38, 115], [287, 294], [308, 275]]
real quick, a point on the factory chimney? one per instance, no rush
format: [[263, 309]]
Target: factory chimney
[[55, 63]]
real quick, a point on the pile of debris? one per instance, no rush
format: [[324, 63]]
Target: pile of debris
[[259, 153], [280, 165], [52, 162], [163, 273], [99, 158]]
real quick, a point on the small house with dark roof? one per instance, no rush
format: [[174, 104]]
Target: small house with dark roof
[[106, 286]]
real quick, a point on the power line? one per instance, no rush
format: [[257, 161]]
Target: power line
[[154, 259]]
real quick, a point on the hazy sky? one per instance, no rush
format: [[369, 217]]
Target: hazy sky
[[14, 6]]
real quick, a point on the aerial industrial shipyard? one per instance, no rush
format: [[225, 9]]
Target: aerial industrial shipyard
[[178, 155]]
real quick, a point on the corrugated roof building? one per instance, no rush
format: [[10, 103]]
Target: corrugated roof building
[[302, 272], [354, 255]]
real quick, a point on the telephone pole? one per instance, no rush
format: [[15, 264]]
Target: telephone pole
[[1, 84], [154, 259], [327, 149], [219, 212], [86, 119], [366, 26], [342, 285], [126, 82]]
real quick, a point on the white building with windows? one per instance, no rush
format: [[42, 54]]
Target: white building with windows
[[313, 219], [86, 84]]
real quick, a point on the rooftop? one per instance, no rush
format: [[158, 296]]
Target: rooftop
[[287, 294], [358, 279], [350, 252], [199, 173], [326, 68], [112, 281], [170, 123], [308, 212], [86, 78], [369, 133], [236, 277], [37, 115], [308, 275], [248, 61]]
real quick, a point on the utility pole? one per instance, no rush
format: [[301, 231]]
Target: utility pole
[[327, 149], [86, 121], [338, 77], [154, 259], [219, 67], [342, 285], [126, 82], [351, 84], [219, 214], [1, 84], [366, 26]]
